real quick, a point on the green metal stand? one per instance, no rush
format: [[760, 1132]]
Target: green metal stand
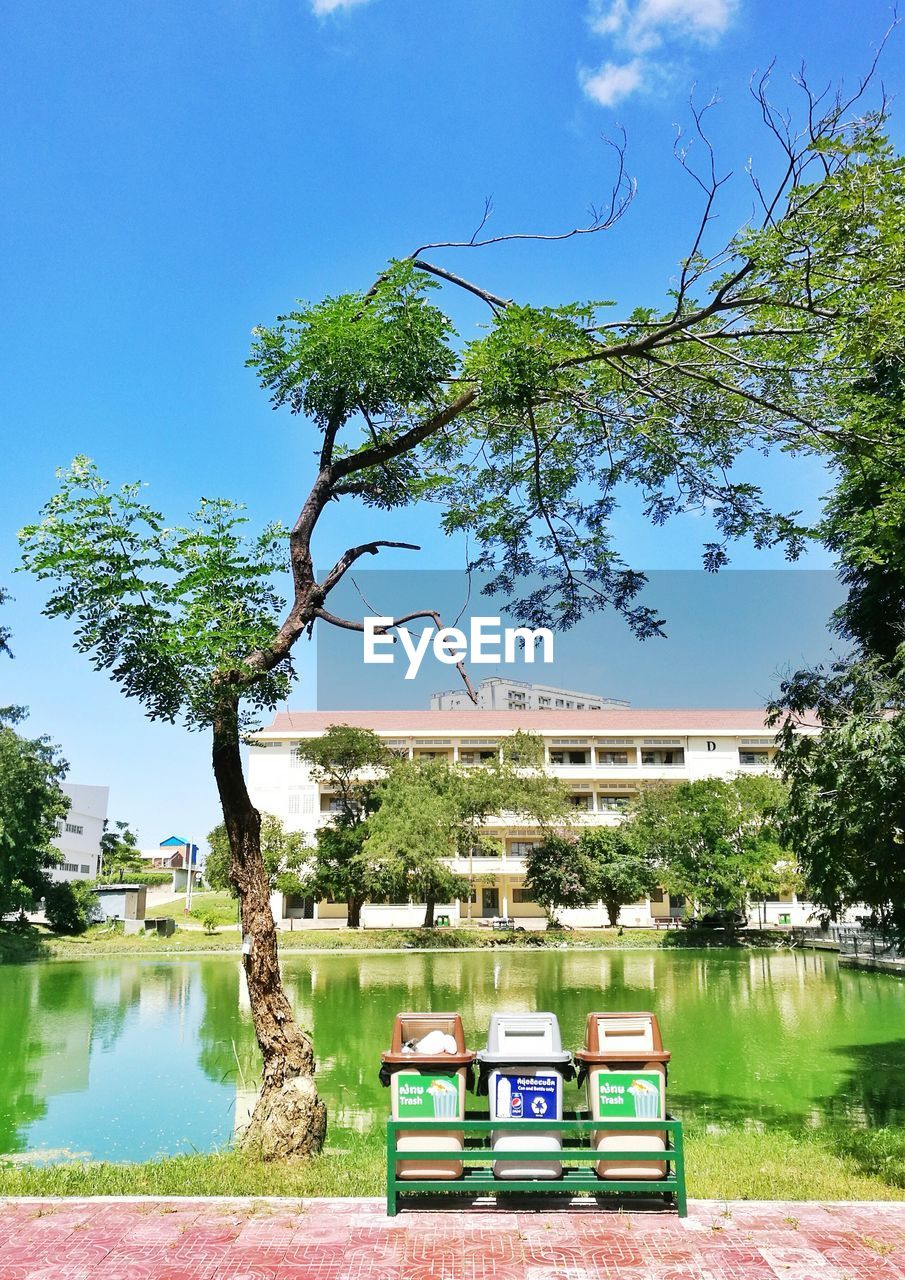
[[477, 1179]]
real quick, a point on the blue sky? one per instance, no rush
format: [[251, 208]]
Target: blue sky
[[176, 174]]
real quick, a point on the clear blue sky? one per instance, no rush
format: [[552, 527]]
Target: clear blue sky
[[175, 174]]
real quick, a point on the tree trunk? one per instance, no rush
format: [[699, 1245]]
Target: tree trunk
[[613, 907], [429, 904], [289, 1118], [354, 905]]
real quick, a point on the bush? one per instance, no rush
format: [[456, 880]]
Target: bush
[[210, 920], [137, 877], [69, 905]]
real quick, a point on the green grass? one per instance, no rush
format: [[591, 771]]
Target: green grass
[[735, 1164], [220, 905], [37, 943]]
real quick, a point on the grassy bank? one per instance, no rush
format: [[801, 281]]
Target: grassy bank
[[37, 943], [735, 1164]]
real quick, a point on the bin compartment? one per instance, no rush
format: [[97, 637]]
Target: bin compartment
[[427, 1068], [625, 1065], [525, 1065]]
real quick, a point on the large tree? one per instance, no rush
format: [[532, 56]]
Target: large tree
[[31, 805], [842, 728], [559, 872], [432, 810], [621, 871], [526, 433], [715, 841]]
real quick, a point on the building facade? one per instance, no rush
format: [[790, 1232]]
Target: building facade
[[501, 694], [78, 838], [603, 756]]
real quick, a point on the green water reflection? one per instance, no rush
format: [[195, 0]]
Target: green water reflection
[[127, 1058]]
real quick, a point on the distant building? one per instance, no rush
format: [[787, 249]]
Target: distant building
[[170, 854], [604, 757], [176, 855], [501, 694], [78, 838]]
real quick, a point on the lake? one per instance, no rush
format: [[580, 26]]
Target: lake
[[128, 1058]]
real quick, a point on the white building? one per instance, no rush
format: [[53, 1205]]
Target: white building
[[501, 694], [79, 838], [604, 756]]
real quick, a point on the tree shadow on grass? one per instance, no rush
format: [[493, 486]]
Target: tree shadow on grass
[[863, 1121], [20, 944]]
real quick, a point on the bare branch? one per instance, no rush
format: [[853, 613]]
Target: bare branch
[[621, 196], [490, 298], [348, 558], [348, 625]]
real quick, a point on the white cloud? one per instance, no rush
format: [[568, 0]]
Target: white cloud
[[635, 28], [611, 83], [321, 7]]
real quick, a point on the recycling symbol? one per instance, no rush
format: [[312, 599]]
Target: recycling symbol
[[539, 1107]]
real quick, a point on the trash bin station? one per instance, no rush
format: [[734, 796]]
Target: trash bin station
[[624, 1140], [523, 1069], [427, 1070], [624, 1066]]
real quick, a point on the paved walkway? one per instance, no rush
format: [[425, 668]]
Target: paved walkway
[[354, 1240]]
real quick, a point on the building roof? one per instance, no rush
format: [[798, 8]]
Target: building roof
[[614, 720]]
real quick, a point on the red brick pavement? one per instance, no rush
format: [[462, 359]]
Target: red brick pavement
[[147, 1239]]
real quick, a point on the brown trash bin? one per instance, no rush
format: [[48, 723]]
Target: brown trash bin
[[428, 1084], [625, 1065]]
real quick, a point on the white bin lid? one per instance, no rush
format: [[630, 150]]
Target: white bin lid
[[530, 1038]]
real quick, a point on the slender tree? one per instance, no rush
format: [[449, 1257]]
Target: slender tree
[[351, 762], [119, 850], [526, 434]]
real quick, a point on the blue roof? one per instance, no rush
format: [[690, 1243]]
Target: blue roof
[[172, 840]]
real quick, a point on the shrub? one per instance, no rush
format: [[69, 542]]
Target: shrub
[[137, 877], [69, 905], [210, 920]]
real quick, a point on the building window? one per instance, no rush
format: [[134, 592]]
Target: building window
[[74, 829], [612, 757], [570, 757], [84, 870], [613, 804], [521, 895], [295, 760], [68, 866], [521, 848], [753, 757], [581, 802], [476, 757], [657, 895], [674, 756]]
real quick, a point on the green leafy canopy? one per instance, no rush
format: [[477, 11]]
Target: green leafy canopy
[[167, 610]]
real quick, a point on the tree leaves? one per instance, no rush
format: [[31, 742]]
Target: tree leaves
[[167, 611]]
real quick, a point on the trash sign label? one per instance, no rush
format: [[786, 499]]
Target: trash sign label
[[527, 1097], [427, 1097], [629, 1095]]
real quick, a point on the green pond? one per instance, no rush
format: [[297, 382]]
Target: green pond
[[125, 1059]]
